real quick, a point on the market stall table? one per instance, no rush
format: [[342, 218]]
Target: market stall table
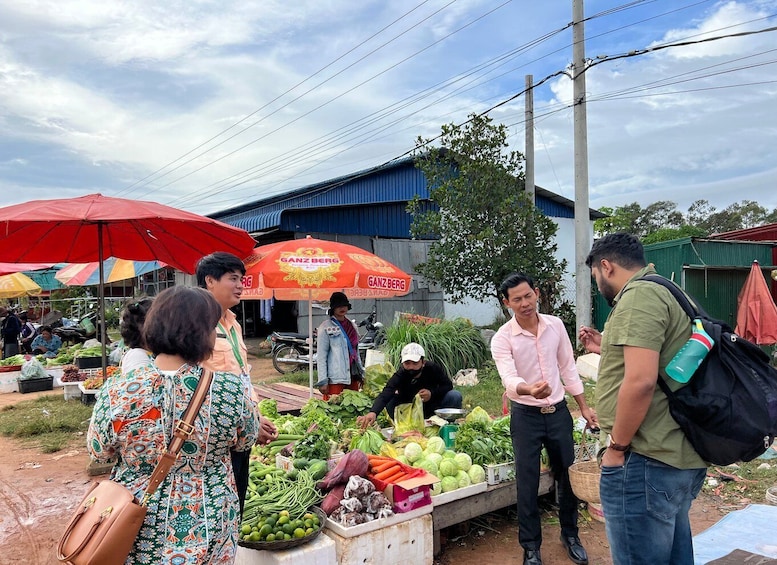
[[495, 497], [290, 397]]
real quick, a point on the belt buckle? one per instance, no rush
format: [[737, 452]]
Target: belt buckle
[[547, 409]]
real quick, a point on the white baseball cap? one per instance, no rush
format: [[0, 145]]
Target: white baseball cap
[[412, 352]]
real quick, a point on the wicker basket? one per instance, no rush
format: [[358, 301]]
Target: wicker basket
[[584, 478]]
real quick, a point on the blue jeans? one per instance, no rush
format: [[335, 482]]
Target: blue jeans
[[646, 505]]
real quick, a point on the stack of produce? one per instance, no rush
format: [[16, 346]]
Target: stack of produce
[[486, 441], [93, 383], [278, 508], [455, 470], [72, 374]]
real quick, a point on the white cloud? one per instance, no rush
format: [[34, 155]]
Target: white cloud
[[110, 91]]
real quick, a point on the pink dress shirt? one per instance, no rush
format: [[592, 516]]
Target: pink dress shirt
[[521, 357]]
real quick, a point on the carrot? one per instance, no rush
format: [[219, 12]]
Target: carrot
[[396, 477], [388, 472], [377, 468], [373, 459]]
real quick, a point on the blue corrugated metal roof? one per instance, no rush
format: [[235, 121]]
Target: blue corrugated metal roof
[[322, 207]]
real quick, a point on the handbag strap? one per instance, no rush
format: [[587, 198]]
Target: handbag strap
[[181, 433]]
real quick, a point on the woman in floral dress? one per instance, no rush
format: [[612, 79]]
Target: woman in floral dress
[[193, 517]]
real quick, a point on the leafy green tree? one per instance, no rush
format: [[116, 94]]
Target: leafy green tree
[[668, 234], [485, 226]]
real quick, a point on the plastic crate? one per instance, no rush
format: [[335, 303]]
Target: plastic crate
[[88, 395], [36, 385], [586, 452], [496, 474], [88, 362]]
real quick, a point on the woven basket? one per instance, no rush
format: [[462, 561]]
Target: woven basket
[[584, 478]]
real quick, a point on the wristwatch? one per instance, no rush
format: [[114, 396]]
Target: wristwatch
[[617, 446]]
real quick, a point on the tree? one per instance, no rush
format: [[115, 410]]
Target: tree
[[485, 226]]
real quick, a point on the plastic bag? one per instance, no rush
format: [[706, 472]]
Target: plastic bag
[[409, 417], [466, 377], [32, 369]]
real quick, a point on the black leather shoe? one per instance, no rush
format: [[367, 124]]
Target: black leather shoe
[[575, 549], [532, 557]]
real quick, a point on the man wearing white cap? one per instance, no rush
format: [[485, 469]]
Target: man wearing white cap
[[417, 376]]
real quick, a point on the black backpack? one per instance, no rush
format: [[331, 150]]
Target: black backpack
[[728, 410]]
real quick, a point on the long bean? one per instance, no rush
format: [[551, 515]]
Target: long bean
[[283, 494]]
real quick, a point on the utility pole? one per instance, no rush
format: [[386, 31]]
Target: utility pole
[[529, 150], [582, 215]]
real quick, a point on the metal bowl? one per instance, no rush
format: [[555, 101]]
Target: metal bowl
[[450, 414]]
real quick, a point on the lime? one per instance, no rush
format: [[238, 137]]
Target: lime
[[308, 516], [308, 523], [288, 528], [299, 533], [308, 531], [266, 529], [286, 537], [284, 519], [245, 529], [284, 512], [254, 536], [272, 520], [270, 537]]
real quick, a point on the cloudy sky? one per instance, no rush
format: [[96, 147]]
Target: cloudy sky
[[205, 105]]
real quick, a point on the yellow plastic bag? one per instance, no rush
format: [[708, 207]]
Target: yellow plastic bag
[[409, 417]]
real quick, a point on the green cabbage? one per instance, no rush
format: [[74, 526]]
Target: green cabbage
[[477, 474], [435, 445], [436, 457], [463, 478], [463, 461], [449, 484], [436, 488], [478, 415], [427, 465], [448, 468], [413, 452], [449, 454]]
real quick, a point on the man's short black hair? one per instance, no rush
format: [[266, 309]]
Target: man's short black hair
[[217, 265], [132, 318], [621, 248], [181, 321], [512, 280]]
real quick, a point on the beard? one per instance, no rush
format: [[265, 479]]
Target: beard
[[607, 291]]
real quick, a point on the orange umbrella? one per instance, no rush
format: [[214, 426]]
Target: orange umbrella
[[756, 311], [311, 269]]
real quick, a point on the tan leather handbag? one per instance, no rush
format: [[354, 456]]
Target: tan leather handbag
[[104, 527]]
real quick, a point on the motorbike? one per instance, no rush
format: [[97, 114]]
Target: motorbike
[[76, 331], [291, 351], [373, 337]]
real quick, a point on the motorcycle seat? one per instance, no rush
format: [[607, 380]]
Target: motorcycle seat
[[291, 335]]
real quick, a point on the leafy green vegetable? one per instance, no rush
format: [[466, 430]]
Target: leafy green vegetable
[[268, 407], [312, 446]]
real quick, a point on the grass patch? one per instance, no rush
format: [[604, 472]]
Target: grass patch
[[50, 421], [487, 393]]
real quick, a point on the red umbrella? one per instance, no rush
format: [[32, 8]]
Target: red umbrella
[[756, 311], [308, 269], [94, 227]]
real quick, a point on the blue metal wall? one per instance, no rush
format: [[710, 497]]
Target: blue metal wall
[[371, 203]]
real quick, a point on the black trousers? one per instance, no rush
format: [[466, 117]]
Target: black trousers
[[530, 431], [240, 467]]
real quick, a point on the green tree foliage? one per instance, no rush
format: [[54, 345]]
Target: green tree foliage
[[661, 221], [486, 227]]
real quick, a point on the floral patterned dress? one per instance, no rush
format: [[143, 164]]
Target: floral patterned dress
[[194, 515]]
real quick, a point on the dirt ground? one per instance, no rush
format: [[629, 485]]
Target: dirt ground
[[38, 492]]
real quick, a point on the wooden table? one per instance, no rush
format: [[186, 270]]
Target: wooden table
[[495, 497], [290, 397]]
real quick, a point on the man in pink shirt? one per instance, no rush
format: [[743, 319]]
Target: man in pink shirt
[[534, 357]]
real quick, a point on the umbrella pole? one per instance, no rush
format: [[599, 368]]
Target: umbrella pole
[[310, 338], [101, 298]]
